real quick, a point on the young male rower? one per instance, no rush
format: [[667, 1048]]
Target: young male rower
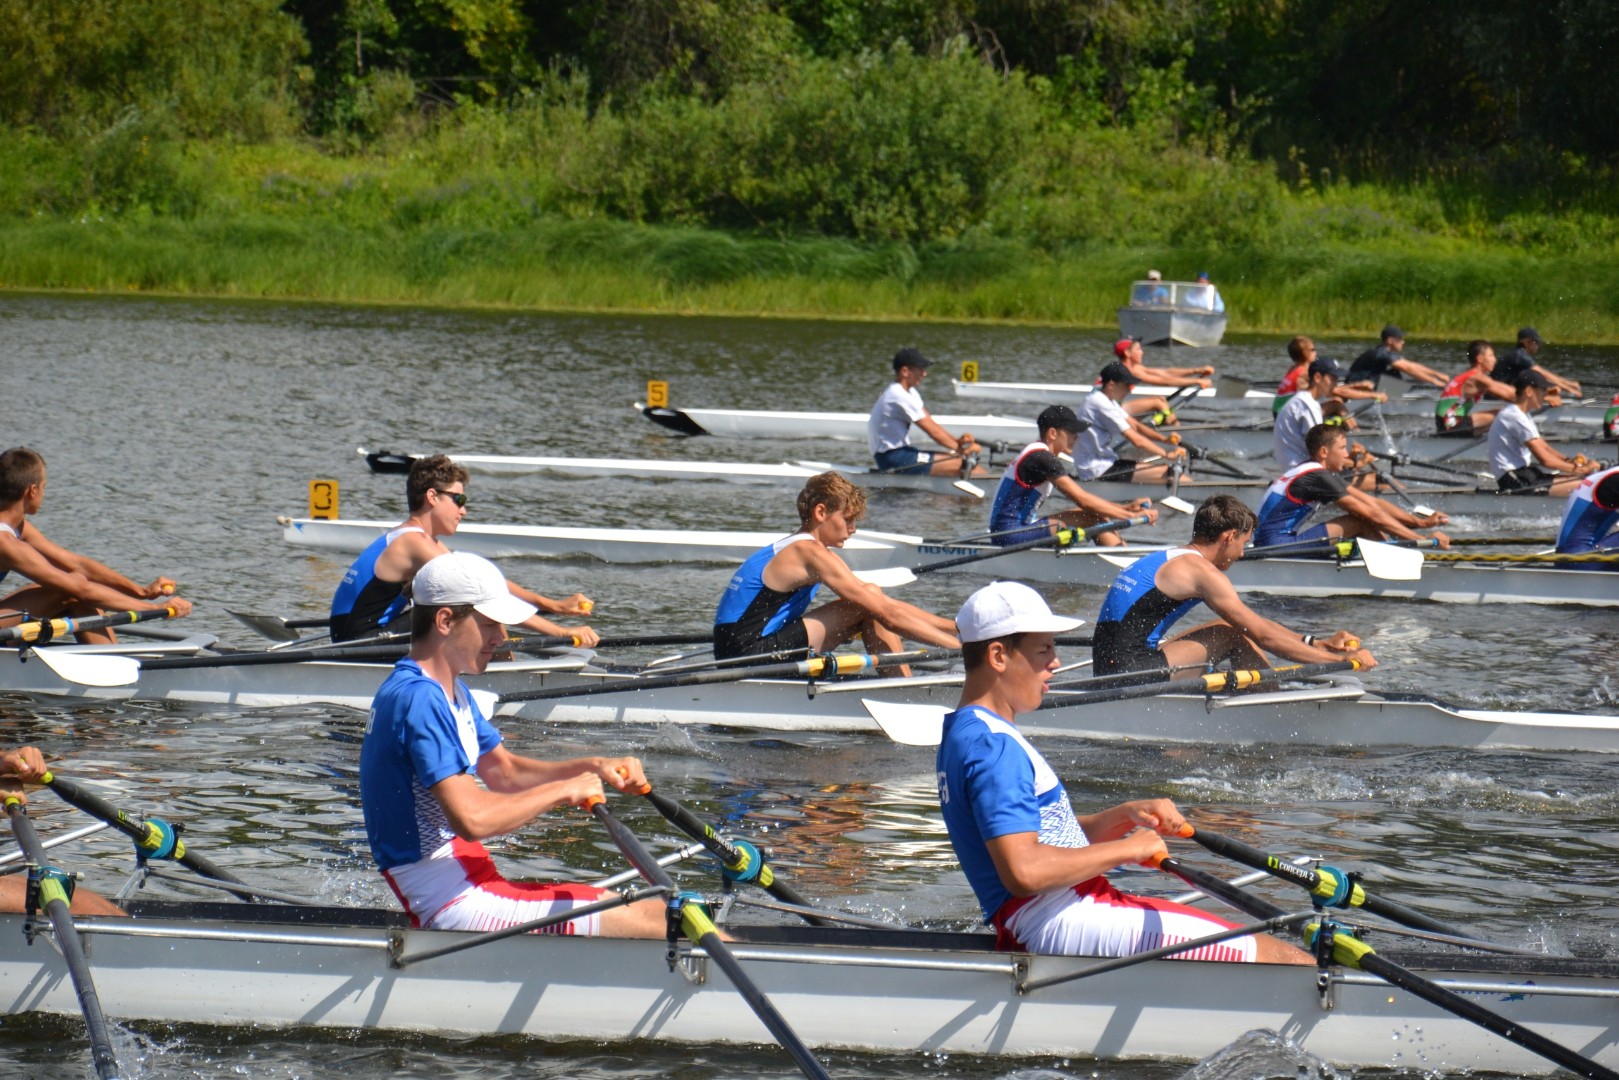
[[1318, 482], [1103, 410], [1591, 518], [1014, 516], [1129, 353], [1457, 408], [1520, 459], [888, 428], [436, 779], [766, 606], [1035, 865], [1303, 412], [372, 593], [27, 764], [1301, 354], [65, 583], [1526, 357], [1387, 357], [1155, 591]]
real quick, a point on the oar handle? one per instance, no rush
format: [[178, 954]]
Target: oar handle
[[1061, 538], [1210, 683], [39, 631]]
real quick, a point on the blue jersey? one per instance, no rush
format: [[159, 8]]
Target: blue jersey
[[1294, 496], [992, 783], [414, 740], [1587, 520], [748, 600], [1134, 600], [1023, 488], [363, 601]]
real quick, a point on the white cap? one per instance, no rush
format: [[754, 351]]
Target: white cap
[[1008, 607], [1153, 275], [463, 578]]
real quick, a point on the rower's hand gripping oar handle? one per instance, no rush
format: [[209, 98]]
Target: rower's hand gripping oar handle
[[41, 631]]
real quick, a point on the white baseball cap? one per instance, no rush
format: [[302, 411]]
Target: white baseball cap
[[463, 578], [1008, 607]]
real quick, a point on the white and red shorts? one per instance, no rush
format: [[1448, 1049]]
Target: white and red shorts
[[480, 899], [1095, 919]]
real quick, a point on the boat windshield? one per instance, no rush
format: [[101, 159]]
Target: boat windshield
[[1192, 295]]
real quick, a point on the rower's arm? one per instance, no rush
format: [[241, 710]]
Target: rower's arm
[[28, 561], [1543, 453], [1420, 372], [408, 553], [73, 562], [1221, 596], [476, 814], [1175, 376], [541, 625], [1495, 388], [1567, 386], [1027, 866], [1087, 501], [1135, 435], [907, 620], [1380, 513], [939, 435], [1358, 392]]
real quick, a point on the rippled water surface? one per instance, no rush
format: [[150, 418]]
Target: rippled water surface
[[177, 430]]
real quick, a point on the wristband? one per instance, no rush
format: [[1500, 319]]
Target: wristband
[[1309, 639]]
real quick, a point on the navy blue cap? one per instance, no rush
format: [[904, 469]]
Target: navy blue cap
[[909, 357], [1326, 365]]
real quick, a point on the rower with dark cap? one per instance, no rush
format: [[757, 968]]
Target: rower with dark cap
[[1526, 357], [1014, 516], [1387, 357], [1591, 519], [1155, 591], [1037, 867], [1129, 353], [1103, 411], [1520, 459], [888, 429], [1303, 412]]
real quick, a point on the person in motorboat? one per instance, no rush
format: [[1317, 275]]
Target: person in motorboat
[[1318, 482], [1014, 515], [1152, 291], [1103, 410], [766, 606], [1520, 459], [65, 583], [27, 765], [372, 595], [1457, 409], [1591, 518], [1526, 357], [1204, 294], [437, 778], [1035, 865], [1387, 357], [1154, 592], [888, 428], [1128, 352], [1301, 353]]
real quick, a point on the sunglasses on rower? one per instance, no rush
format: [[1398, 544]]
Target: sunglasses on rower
[[459, 498]]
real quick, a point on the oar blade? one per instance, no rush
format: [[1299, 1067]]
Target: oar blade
[[90, 669], [1178, 504], [887, 577], [907, 724], [273, 627], [1389, 563]]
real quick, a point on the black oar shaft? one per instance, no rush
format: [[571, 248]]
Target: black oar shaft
[[43, 630], [1319, 885], [1201, 684], [69, 942], [1060, 538], [702, 931], [726, 852]]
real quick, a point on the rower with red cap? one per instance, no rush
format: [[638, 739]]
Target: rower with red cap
[[1128, 352]]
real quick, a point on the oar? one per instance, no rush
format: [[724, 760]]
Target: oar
[[154, 838], [1068, 537], [1330, 886], [39, 631], [923, 725], [741, 859], [1351, 952], [1407, 460], [275, 627], [54, 893], [815, 666], [1384, 561], [700, 929]]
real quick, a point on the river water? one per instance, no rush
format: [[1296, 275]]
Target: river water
[[177, 430]]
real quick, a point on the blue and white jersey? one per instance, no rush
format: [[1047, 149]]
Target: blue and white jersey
[[364, 602], [1586, 521], [748, 599], [1024, 486], [416, 737], [993, 783]]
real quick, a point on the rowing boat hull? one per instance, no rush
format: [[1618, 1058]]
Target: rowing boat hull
[[863, 990], [850, 427]]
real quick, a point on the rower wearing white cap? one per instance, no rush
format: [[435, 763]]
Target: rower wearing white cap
[[1035, 866], [436, 778]]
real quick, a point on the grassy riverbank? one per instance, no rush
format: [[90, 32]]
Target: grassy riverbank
[[1449, 290]]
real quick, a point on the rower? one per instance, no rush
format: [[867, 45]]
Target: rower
[[1526, 357], [1301, 352], [1129, 352], [1457, 408], [1035, 865], [1591, 518], [65, 583], [1387, 357], [436, 778], [1303, 412], [1030, 478], [1150, 594], [27, 765], [372, 597], [888, 428], [1318, 482], [1517, 451], [1103, 411], [765, 608]]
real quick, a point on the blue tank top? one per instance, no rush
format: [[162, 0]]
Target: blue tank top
[[1018, 503], [1585, 520], [1135, 612], [363, 601], [1284, 510], [748, 599]]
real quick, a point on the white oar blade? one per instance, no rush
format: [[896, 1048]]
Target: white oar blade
[[912, 725], [1175, 502], [1389, 563], [887, 577], [1121, 561], [90, 669], [970, 489], [273, 627], [488, 701]]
